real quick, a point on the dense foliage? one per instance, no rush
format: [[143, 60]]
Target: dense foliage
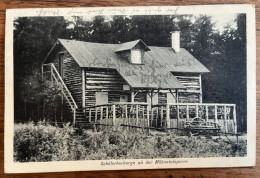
[[224, 54], [43, 142]]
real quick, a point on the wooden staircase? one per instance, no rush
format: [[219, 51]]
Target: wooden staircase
[[77, 113]]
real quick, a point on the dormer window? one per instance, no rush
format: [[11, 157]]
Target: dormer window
[[133, 51], [136, 56]]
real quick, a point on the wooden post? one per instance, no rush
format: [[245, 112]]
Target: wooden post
[[96, 114], [42, 69], [114, 115], [177, 96], [156, 116], [197, 110], [148, 122], [95, 127], [225, 118], [51, 75], [106, 117], [216, 113], [178, 116], [136, 116], [200, 88], [74, 117], [130, 117], [235, 119], [167, 117], [61, 116], [143, 111], [151, 115], [161, 117], [89, 118], [151, 107], [126, 118], [151, 98], [132, 97], [207, 113], [83, 88], [187, 113], [101, 114]]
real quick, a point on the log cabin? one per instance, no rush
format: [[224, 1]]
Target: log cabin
[[163, 80]]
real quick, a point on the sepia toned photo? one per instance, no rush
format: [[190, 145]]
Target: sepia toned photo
[[129, 90]]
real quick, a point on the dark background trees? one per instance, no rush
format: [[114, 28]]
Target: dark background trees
[[224, 54]]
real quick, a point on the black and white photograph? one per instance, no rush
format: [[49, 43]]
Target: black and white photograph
[[130, 89]]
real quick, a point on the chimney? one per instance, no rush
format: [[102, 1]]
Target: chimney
[[175, 36]]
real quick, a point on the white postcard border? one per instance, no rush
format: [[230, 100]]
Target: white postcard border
[[249, 160]]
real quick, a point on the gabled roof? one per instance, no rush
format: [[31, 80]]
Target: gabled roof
[[155, 73], [131, 44]]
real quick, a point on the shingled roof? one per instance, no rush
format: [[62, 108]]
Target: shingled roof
[[155, 73]]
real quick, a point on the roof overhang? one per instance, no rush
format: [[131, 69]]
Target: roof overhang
[[130, 45]]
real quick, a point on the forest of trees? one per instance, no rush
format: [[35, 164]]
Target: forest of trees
[[223, 53]]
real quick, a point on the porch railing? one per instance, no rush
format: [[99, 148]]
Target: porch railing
[[128, 115], [173, 115]]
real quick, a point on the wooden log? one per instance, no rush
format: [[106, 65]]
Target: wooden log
[[187, 77]]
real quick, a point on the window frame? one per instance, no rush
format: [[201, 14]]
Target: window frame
[[141, 56]]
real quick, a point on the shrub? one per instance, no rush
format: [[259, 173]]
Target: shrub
[[43, 142]]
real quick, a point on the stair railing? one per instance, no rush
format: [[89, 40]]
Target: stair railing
[[55, 74]]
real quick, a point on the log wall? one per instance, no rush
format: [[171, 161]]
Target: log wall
[[105, 80], [71, 72], [193, 84]]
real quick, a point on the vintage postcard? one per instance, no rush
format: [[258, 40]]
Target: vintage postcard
[[111, 88]]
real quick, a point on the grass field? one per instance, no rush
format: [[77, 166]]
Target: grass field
[[43, 142]]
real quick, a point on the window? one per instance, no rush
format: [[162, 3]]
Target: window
[[136, 56], [101, 98]]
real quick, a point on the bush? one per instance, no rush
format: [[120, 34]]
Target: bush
[[43, 142]]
